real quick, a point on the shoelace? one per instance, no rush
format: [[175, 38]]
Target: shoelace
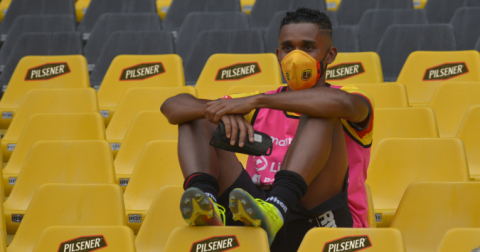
[[271, 209], [220, 209]]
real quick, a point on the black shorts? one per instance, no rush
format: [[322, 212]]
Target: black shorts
[[332, 213]]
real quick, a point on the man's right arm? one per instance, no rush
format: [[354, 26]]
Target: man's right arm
[[183, 108]]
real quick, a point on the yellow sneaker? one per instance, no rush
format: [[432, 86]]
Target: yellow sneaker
[[255, 212], [199, 210]]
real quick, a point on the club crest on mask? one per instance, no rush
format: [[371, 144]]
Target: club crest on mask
[[306, 74], [288, 76]]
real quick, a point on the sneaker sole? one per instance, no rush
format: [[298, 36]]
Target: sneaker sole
[[194, 205], [244, 208]]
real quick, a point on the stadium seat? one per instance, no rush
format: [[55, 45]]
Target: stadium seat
[[146, 126], [355, 68], [130, 71], [385, 95], [398, 162], [450, 103], [429, 209], [223, 71], [441, 11], [197, 22], [81, 7], [71, 100], [419, 4], [395, 4], [208, 43], [106, 238], [477, 45], [242, 239], [247, 5], [374, 23], [237, 89], [34, 23], [97, 8], [72, 162], [134, 101], [51, 126], [4, 8], [179, 9], [371, 209], [469, 134], [110, 23], [472, 3], [403, 123], [157, 166], [350, 11], [45, 44], [162, 7], [68, 205], [399, 41], [130, 43], [463, 21], [34, 7], [336, 239], [460, 239], [423, 72], [3, 228], [42, 72], [156, 229], [345, 39]]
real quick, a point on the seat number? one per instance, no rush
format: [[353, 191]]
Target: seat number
[[135, 218]]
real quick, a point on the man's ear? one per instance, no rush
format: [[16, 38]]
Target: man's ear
[[332, 55]]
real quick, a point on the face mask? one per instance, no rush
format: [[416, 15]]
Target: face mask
[[301, 70]]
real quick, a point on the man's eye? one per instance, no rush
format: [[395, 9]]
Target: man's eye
[[309, 47]]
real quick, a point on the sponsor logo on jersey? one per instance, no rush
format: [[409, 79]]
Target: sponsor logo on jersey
[[83, 244], [238, 71], [345, 70], [215, 244], [348, 244], [47, 71], [445, 71], [142, 71]]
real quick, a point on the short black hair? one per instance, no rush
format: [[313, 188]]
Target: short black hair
[[306, 15]]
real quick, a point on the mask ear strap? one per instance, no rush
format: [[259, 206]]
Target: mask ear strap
[[320, 65]]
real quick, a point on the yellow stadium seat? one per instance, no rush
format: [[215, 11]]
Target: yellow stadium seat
[[3, 242], [79, 126], [247, 5], [146, 126], [42, 72], [357, 67], [355, 239], [68, 205], [67, 100], [81, 7], [2, 188], [423, 72], [403, 123], [237, 89], [385, 95], [398, 162], [3, 228], [429, 209], [73, 162], [102, 238], [162, 7], [419, 4], [371, 209], [332, 5], [4, 4], [156, 229], [460, 239], [450, 103], [127, 71], [470, 136], [134, 101], [157, 166], [240, 239], [225, 70]]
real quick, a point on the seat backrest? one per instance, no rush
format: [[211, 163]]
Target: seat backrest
[[349, 12], [395, 4], [69, 205], [196, 238], [460, 239], [374, 23], [469, 134], [463, 21], [472, 3], [441, 11], [146, 126], [98, 7], [450, 103], [371, 209], [109, 23], [3, 228], [423, 72], [156, 228], [398, 162], [34, 23], [197, 22], [223, 71], [178, 10], [106, 238], [263, 11], [372, 239], [345, 39], [208, 43], [386, 95], [237, 89], [416, 122], [360, 67], [35, 7], [443, 205], [221, 6], [400, 40], [45, 44]]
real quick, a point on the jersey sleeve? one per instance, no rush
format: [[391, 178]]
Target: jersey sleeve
[[361, 134], [248, 116]]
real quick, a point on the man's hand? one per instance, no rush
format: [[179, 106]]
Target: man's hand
[[240, 106], [235, 124]]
